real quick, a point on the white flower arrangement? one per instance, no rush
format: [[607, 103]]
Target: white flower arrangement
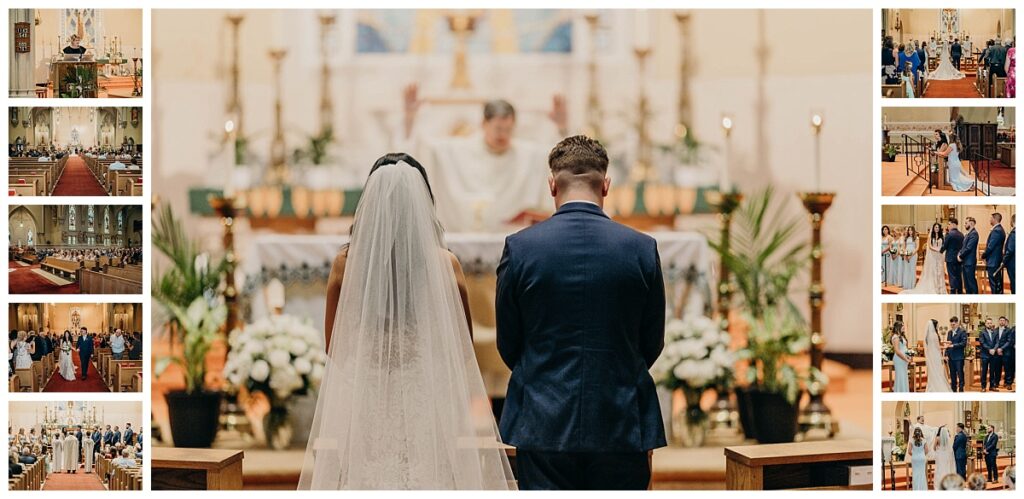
[[280, 355], [696, 355]]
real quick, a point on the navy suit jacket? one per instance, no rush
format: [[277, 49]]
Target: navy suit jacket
[[960, 446], [951, 245], [955, 51], [1010, 250], [127, 435], [992, 444], [85, 346], [969, 251], [958, 341], [1011, 342], [1003, 340], [96, 437], [987, 339], [993, 254], [580, 312]]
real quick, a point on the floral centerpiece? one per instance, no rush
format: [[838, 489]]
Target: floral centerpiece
[[899, 448], [696, 357], [281, 357]]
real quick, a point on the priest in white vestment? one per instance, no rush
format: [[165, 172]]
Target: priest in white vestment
[[58, 453], [88, 452], [929, 433], [483, 181], [70, 453]]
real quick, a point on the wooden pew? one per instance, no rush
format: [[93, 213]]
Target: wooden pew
[[38, 374], [125, 371], [105, 283], [23, 188], [817, 464], [26, 380], [64, 268], [137, 188], [897, 91], [14, 384], [196, 469]]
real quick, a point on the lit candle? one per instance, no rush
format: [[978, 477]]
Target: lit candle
[[817, 120], [641, 29], [229, 128], [724, 183]]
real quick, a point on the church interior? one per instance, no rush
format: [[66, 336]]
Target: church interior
[[911, 167], [74, 151], [71, 445], [114, 328], [75, 53], [267, 123], [972, 29], [897, 219], [915, 317], [901, 418], [75, 249]]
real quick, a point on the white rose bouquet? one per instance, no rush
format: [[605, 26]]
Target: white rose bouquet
[[696, 355], [280, 356]]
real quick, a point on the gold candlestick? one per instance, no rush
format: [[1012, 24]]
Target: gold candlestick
[[234, 109], [682, 127], [816, 414], [594, 112], [642, 168], [326, 106], [277, 174], [723, 413], [227, 208], [462, 25]]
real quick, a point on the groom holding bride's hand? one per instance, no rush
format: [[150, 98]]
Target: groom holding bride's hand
[[580, 318]]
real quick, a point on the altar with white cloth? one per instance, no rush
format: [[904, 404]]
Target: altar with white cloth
[[303, 262]]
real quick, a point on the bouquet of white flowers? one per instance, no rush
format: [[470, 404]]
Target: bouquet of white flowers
[[280, 356], [696, 355]]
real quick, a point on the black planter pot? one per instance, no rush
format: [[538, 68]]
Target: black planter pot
[[194, 417], [775, 419], [889, 158], [746, 410]]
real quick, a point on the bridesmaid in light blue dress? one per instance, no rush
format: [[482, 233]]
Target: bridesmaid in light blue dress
[[910, 263], [886, 261], [899, 263], [900, 359], [891, 277], [918, 460]]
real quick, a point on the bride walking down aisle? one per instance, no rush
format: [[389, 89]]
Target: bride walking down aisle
[[946, 69], [66, 364]]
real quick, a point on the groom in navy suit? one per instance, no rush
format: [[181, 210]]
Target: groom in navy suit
[[960, 451], [993, 254], [580, 313], [951, 245], [968, 257], [991, 452], [989, 357], [957, 342], [1010, 255], [84, 352]]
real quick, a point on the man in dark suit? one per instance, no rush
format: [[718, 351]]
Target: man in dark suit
[[1010, 254], [84, 346], [78, 435], [1003, 341], [957, 340], [989, 358], [1009, 355], [951, 245], [580, 315], [993, 254], [128, 433], [960, 451], [97, 438], [997, 59], [968, 257], [116, 438], [956, 51], [39, 342], [108, 436], [991, 451]]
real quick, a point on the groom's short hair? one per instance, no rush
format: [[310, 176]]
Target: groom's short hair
[[953, 221], [960, 425], [954, 319], [578, 160], [998, 216]]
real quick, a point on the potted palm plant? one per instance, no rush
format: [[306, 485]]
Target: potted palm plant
[[764, 256], [187, 294]]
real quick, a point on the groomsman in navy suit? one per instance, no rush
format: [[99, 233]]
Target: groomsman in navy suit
[[957, 339], [991, 451], [1004, 340], [968, 257], [951, 245], [1009, 354], [960, 451], [987, 352], [1010, 254], [993, 254]]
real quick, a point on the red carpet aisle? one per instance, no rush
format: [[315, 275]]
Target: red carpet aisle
[[76, 481], [952, 88], [1003, 176], [92, 385], [23, 280], [77, 180]]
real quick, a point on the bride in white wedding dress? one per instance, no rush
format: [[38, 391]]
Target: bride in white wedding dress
[[946, 69], [943, 455], [937, 381], [933, 274]]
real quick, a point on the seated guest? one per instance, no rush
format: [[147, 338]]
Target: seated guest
[[14, 468], [951, 481], [975, 481], [1010, 478], [125, 460], [26, 456]]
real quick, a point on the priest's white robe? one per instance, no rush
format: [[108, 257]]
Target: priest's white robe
[[58, 454], [476, 190], [70, 453], [87, 451]]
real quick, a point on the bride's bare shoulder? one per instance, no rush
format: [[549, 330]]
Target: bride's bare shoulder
[[340, 259]]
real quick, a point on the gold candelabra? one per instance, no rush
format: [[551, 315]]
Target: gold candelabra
[[816, 414], [594, 112], [723, 413], [682, 127], [234, 109], [228, 209], [462, 25], [642, 168], [326, 106], [277, 174]]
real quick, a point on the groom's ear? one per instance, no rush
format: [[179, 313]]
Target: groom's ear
[[606, 187], [552, 186]]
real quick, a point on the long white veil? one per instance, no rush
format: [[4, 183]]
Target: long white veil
[[946, 70], [402, 404], [943, 455], [937, 381]]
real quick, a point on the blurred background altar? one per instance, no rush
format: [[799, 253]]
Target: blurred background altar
[[267, 122]]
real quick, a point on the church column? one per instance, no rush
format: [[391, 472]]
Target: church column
[[22, 64]]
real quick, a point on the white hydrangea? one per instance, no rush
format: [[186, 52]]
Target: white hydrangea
[[260, 371], [696, 353]]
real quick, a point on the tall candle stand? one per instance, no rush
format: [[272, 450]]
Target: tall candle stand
[[234, 109], [136, 89], [594, 112], [816, 414], [642, 168], [228, 209], [723, 413], [462, 25], [278, 172], [326, 106]]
